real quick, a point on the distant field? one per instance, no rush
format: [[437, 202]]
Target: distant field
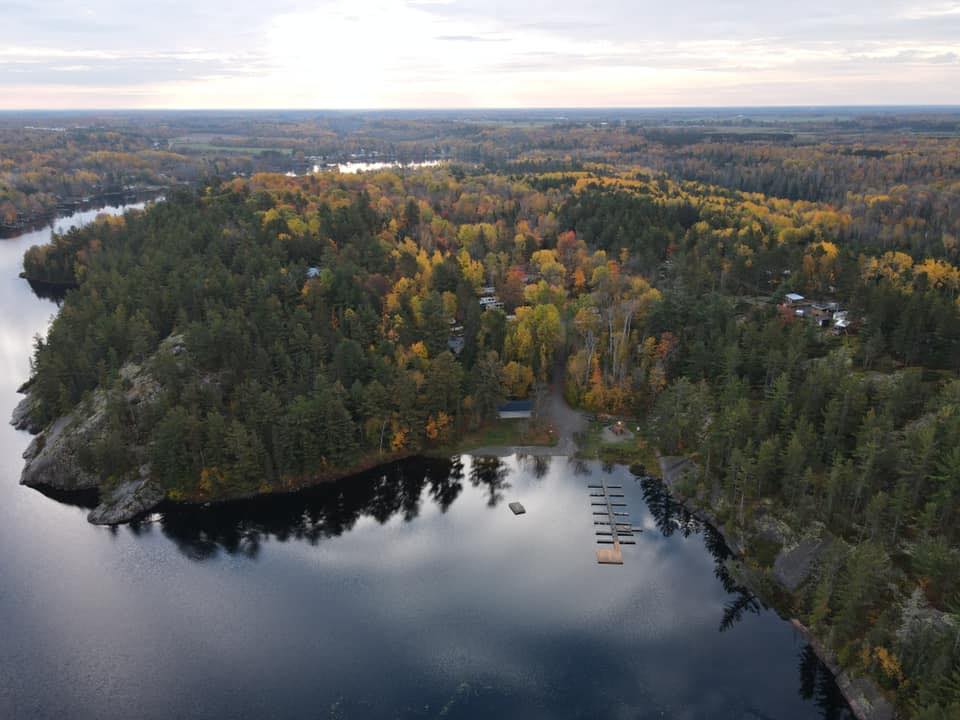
[[204, 143], [239, 150]]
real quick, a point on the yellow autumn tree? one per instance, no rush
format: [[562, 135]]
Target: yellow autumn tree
[[399, 440], [517, 378], [820, 263]]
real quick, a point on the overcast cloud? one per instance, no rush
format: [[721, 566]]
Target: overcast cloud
[[477, 53]]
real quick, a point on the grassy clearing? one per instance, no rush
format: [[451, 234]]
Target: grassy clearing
[[225, 149], [635, 451], [501, 433]]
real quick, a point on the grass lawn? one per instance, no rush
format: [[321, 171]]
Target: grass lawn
[[504, 433], [225, 149], [637, 450]]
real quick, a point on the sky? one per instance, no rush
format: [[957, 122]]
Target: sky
[[60, 54]]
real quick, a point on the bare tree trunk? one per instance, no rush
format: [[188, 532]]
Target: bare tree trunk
[[591, 346], [383, 429], [627, 322]]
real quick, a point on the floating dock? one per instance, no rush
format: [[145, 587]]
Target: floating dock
[[612, 525]]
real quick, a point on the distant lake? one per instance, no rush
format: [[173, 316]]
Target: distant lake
[[358, 167], [408, 592]]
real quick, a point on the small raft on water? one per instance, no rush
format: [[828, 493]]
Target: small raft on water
[[517, 508]]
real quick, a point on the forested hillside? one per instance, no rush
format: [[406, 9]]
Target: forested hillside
[[843, 435], [325, 322]]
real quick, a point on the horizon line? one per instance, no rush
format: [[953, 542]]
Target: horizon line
[[558, 108]]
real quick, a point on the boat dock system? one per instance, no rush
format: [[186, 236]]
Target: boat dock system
[[611, 521]]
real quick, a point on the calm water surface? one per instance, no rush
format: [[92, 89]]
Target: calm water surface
[[353, 167], [412, 592]]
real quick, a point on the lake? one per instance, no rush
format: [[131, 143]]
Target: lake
[[408, 592], [352, 167]]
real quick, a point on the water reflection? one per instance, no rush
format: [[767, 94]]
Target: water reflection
[[403, 489], [817, 684], [49, 291], [327, 511], [86, 499], [397, 489], [324, 511], [445, 487], [671, 517], [490, 473], [536, 465]]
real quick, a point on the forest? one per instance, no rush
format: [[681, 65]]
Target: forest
[[784, 313], [893, 174]]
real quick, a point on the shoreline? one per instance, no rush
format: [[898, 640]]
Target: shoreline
[[864, 698], [854, 689], [11, 231], [109, 499]]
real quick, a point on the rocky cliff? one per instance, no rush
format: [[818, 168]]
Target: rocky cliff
[[58, 457]]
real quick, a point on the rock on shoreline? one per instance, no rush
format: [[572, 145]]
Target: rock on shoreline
[[22, 418], [128, 500], [862, 695], [792, 566], [55, 457]]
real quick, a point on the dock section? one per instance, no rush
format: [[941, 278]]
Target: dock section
[[611, 521]]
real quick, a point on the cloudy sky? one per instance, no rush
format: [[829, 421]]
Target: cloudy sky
[[476, 53]]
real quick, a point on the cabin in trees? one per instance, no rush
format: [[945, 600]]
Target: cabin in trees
[[822, 313], [843, 324], [491, 302], [489, 299], [515, 409], [826, 315], [456, 342]]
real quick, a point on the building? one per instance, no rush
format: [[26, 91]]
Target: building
[[515, 409], [822, 313], [793, 299], [841, 322], [456, 344], [456, 341], [491, 302]]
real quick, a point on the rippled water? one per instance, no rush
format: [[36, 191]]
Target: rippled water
[[410, 592]]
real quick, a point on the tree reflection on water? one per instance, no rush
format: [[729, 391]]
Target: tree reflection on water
[[323, 511], [817, 684], [816, 680], [399, 490], [491, 472], [671, 517]]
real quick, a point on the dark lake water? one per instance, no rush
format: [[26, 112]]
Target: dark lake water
[[411, 592]]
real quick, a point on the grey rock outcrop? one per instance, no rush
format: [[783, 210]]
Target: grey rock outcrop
[[771, 529], [128, 500], [798, 560], [54, 458], [673, 469], [920, 619], [59, 456], [794, 564], [22, 418], [865, 699]]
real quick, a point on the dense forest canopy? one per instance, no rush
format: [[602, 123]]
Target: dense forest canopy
[[894, 175], [782, 307]]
